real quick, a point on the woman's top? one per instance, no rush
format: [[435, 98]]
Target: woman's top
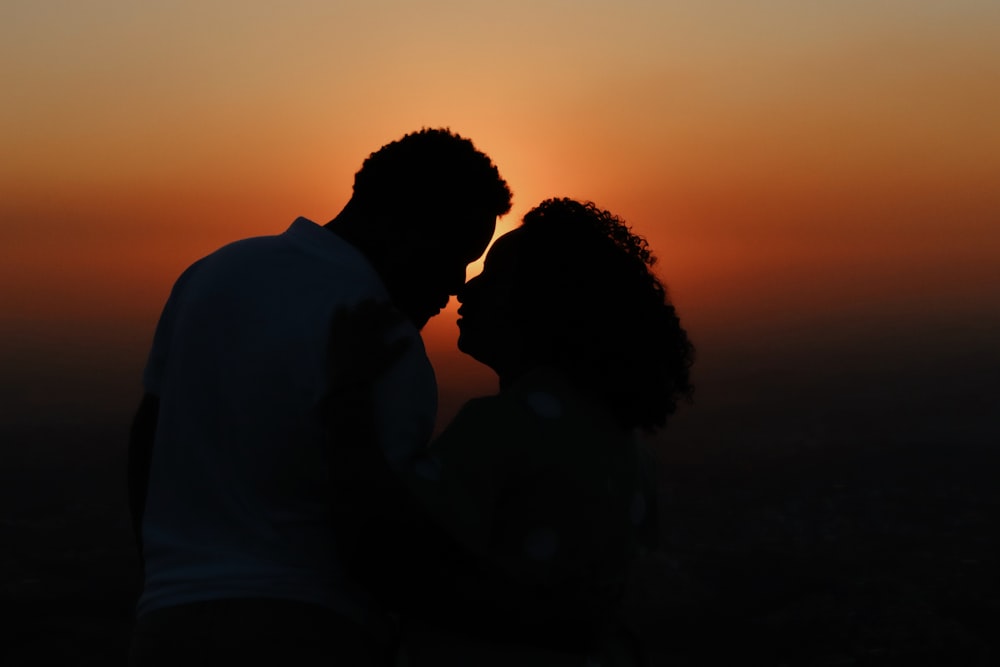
[[552, 497]]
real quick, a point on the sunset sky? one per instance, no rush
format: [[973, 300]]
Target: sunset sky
[[814, 175]]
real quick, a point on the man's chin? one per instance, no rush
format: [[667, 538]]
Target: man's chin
[[421, 320]]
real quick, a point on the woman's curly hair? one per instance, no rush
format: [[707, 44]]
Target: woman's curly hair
[[600, 314]]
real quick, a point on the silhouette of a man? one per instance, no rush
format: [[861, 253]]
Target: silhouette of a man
[[228, 475]]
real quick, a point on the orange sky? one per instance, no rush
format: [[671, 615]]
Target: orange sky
[[793, 164]]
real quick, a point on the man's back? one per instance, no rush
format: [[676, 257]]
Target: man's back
[[238, 505]]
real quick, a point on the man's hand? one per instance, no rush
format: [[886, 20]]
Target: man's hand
[[359, 349]]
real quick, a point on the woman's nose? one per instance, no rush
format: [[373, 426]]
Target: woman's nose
[[459, 280], [464, 290]]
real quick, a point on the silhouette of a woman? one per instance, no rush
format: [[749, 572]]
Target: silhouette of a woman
[[531, 505]]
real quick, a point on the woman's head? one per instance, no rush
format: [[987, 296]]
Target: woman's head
[[572, 288]]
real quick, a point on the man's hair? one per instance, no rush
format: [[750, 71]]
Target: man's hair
[[432, 171], [585, 283]]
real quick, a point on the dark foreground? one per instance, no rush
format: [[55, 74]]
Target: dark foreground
[[865, 556]]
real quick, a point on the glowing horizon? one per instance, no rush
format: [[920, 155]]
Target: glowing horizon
[[789, 162]]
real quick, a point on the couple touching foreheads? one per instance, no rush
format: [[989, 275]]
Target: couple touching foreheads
[[289, 501]]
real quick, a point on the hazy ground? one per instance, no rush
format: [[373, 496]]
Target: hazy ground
[[868, 557], [69, 572], [837, 514]]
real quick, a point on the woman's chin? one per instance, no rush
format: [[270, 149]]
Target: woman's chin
[[469, 348], [463, 341]]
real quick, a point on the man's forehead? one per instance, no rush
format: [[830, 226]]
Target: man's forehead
[[467, 234]]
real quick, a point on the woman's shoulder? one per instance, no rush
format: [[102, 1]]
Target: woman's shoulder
[[555, 403], [540, 421], [542, 395]]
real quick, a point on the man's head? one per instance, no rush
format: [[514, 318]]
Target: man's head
[[423, 208]]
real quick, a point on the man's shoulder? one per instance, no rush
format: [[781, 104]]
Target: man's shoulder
[[303, 244]]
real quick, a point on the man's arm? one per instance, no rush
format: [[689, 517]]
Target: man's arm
[[140, 455]]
